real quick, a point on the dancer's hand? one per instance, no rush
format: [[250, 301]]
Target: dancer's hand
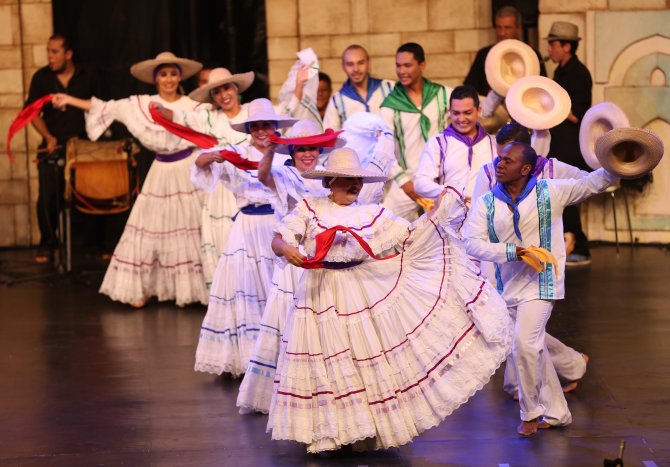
[[206, 159], [293, 255], [60, 100], [408, 188], [161, 109], [520, 251]]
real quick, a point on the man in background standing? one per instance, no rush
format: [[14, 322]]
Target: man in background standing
[[61, 75], [575, 78]]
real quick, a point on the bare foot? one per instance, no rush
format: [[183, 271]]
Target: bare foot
[[544, 425], [528, 428], [573, 385], [515, 396], [569, 239], [139, 303]]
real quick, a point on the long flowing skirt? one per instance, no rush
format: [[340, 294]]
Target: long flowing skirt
[[237, 297], [217, 219], [383, 351], [256, 388], [159, 251]]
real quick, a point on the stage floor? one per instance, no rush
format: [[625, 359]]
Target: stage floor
[[87, 381]]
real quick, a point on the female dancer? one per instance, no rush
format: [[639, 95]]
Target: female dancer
[[223, 91], [379, 350], [290, 188], [159, 251], [243, 274]]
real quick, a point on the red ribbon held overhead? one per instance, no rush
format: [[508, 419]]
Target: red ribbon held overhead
[[25, 117], [323, 140], [325, 240], [201, 140]]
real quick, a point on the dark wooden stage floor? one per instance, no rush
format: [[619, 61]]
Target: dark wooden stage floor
[[85, 381]]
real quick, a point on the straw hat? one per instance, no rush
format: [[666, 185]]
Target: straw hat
[[597, 121], [262, 110], [507, 61], [219, 77], [563, 31], [144, 70], [344, 162], [538, 103], [629, 152], [304, 128]]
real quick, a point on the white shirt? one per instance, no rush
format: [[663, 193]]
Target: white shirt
[[444, 162], [407, 163], [486, 177], [341, 107], [133, 112], [489, 216]]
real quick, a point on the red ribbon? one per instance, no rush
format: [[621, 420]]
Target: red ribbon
[[323, 140], [24, 117], [201, 140], [325, 240]]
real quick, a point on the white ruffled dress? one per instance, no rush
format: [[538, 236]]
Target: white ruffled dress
[[256, 388], [242, 279], [383, 350], [290, 189], [219, 206], [159, 251]]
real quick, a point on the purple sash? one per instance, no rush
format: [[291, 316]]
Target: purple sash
[[175, 156]]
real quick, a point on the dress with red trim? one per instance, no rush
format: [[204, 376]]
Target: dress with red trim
[[376, 352], [159, 251]]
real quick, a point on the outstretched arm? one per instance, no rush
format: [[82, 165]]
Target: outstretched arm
[[61, 100]]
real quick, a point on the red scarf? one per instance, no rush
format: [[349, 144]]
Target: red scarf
[[25, 117], [325, 240], [323, 140], [201, 140]]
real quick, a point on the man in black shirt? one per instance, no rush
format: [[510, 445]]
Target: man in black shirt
[[575, 78], [508, 26], [56, 127]]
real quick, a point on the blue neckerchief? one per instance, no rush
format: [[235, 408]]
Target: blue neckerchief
[[349, 91], [500, 192]]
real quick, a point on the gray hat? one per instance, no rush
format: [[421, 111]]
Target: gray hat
[[563, 31]]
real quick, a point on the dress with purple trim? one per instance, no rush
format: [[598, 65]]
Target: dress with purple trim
[[159, 251]]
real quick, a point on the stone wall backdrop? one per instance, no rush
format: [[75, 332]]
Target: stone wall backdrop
[[25, 27], [626, 46], [450, 31]]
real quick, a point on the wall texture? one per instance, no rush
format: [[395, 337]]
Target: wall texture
[[450, 31], [25, 27]]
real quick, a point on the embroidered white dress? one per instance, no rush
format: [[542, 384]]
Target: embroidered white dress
[[219, 206], [159, 251], [383, 350], [242, 279], [290, 189]]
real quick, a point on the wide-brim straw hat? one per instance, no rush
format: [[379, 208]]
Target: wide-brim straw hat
[[538, 103], [219, 77], [563, 31], [629, 152], [344, 162], [508, 61], [144, 70], [304, 128], [262, 110], [597, 121]]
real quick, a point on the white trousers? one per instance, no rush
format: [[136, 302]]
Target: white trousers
[[540, 392], [568, 363]]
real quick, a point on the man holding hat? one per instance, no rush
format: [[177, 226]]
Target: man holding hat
[[503, 226], [508, 24], [415, 111], [360, 92], [575, 78]]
